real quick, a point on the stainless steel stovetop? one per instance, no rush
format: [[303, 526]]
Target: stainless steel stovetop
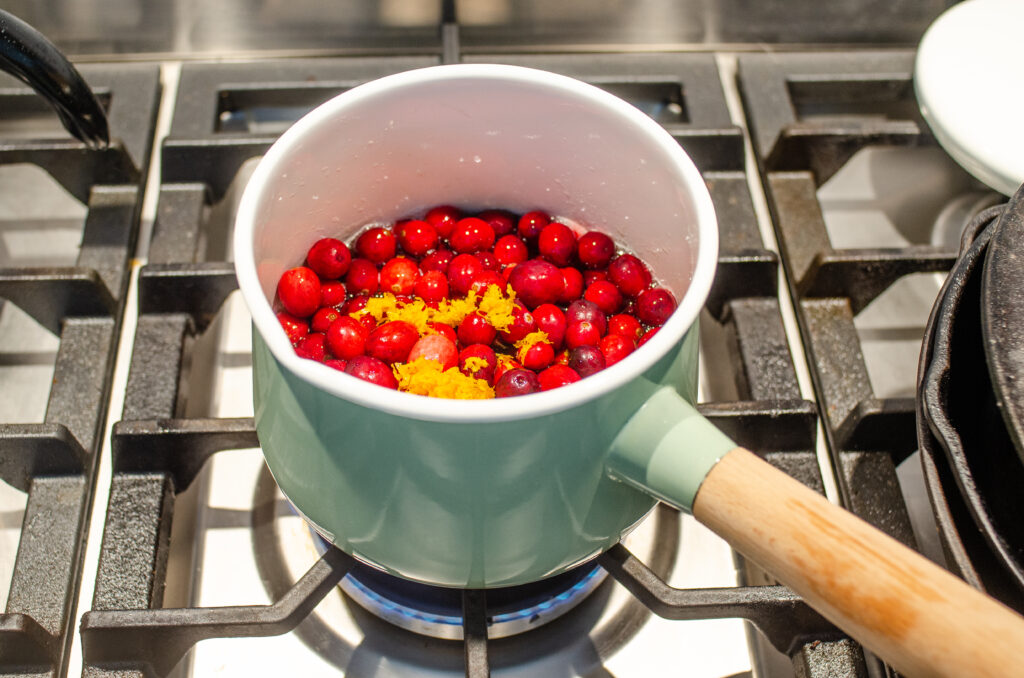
[[229, 538]]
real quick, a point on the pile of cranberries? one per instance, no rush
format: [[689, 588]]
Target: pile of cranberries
[[586, 303]]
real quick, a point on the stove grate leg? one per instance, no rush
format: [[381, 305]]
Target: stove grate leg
[[474, 629]]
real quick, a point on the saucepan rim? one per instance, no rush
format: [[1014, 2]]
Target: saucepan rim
[[476, 411]]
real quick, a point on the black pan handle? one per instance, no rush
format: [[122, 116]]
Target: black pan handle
[[28, 55]]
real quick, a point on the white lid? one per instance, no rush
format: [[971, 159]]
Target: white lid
[[968, 77]]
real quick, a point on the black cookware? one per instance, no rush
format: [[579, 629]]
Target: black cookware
[[972, 467], [28, 55], [1002, 317]]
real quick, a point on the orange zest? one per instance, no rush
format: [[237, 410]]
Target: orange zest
[[425, 377]]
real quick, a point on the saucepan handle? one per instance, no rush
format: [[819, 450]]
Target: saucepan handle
[[28, 55], [912, 613]]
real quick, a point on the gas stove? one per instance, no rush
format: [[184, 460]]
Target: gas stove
[[140, 531]]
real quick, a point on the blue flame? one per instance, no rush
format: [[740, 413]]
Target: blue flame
[[451, 620]]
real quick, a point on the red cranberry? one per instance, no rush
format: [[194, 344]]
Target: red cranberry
[[506, 272], [368, 322], [516, 382], [323, 318], [522, 324], [501, 221], [536, 356], [510, 249], [562, 357], [294, 328], [332, 293], [471, 235], [591, 277], [437, 260], [476, 329], [586, 360], [625, 325], [581, 333], [372, 370], [483, 352], [489, 261], [615, 347], [557, 243], [443, 218], [336, 363], [557, 376], [655, 305], [329, 258], [399, 276], [435, 347], [432, 287], [299, 291], [416, 237], [551, 320], [461, 271], [356, 303], [377, 244], [505, 364], [484, 279], [629, 274], [581, 309], [573, 281], [362, 277], [312, 347], [346, 338], [447, 331], [536, 282], [392, 341], [595, 249], [531, 224], [605, 295], [646, 336]]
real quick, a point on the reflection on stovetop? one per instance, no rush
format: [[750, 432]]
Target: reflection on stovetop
[[242, 27]]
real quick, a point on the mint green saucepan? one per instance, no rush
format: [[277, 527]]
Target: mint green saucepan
[[493, 493]]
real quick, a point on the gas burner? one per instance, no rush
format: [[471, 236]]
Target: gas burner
[[373, 613], [437, 611]]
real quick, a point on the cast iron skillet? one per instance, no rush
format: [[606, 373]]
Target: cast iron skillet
[[974, 472], [29, 56], [1002, 317]]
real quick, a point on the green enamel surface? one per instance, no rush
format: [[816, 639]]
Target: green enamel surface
[[465, 505], [667, 448]]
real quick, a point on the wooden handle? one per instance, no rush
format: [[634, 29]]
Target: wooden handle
[[910, 612]]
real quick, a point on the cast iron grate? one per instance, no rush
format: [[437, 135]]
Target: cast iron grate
[[157, 451], [809, 114], [55, 462]]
